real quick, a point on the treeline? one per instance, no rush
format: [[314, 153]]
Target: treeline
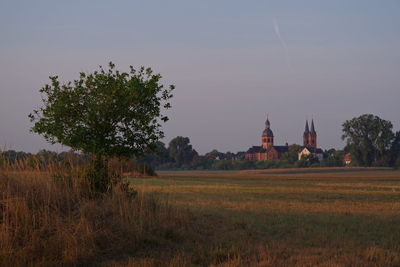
[[180, 155], [371, 141]]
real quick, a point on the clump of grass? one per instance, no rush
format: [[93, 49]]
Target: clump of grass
[[44, 222]]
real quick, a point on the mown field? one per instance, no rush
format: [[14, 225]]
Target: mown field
[[299, 217]]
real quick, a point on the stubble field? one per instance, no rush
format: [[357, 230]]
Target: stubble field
[[324, 217]]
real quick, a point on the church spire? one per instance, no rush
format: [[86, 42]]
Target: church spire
[[267, 138], [306, 130], [312, 127], [267, 123], [268, 131]]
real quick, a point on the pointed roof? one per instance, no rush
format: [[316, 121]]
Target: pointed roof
[[267, 123], [306, 130], [312, 127], [267, 132]]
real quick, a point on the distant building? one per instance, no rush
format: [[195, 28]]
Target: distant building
[[267, 150], [347, 158], [310, 143]]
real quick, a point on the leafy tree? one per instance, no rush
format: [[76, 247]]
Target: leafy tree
[[202, 162], [333, 158], [395, 151], [240, 155], [181, 150], [292, 155], [369, 138], [105, 113], [215, 154], [156, 157], [307, 161]]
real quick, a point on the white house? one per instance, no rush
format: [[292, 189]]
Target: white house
[[316, 152]]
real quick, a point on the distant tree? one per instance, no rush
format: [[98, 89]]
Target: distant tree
[[292, 155], [229, 155], [369, 138], [395, 151], [181, 150], [202, 163], [105, 113], [156, 157], [329, 152], [240, 155], [215, 154], [307, 161], [334, 159]]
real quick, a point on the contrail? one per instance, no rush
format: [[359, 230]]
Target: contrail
[[283, 43]]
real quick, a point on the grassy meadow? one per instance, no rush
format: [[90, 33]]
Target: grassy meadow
[[285, 217], [303, 217]]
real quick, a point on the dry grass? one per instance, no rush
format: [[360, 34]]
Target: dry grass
[[296, 217], [325, 217], [44, 223]]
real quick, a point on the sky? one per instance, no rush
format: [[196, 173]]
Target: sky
[[232, 62]]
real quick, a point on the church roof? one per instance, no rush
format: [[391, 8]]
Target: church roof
[[282, 149], [267, 131], [256, 149], [306, 130], [260, 149], [312, 127]]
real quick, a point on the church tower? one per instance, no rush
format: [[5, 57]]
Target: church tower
[[267, 138], [310, 135]]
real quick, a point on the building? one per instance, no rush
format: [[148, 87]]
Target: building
[[267, 150], [347, 158], [310, 143]]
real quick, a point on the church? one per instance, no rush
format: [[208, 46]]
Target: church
[[268, 151], [310, 143]]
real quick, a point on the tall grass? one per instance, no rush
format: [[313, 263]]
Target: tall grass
[[47, 222]]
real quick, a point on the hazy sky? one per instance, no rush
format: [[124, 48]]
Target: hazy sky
[[231, 61]]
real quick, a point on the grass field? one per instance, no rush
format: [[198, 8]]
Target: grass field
[[302, 217], [287, 217]]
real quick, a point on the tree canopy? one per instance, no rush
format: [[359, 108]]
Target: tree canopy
[[106, 112], [369, 138], [181, 150]]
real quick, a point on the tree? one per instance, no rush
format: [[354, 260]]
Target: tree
[[333, 158], [293, 153], [215, 154], [157, 156], [105, 113], [369, 138], [395, 151], [181, 150], [307, 161]]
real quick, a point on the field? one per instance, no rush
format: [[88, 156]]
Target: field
[[286, 217], [324, 217]]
